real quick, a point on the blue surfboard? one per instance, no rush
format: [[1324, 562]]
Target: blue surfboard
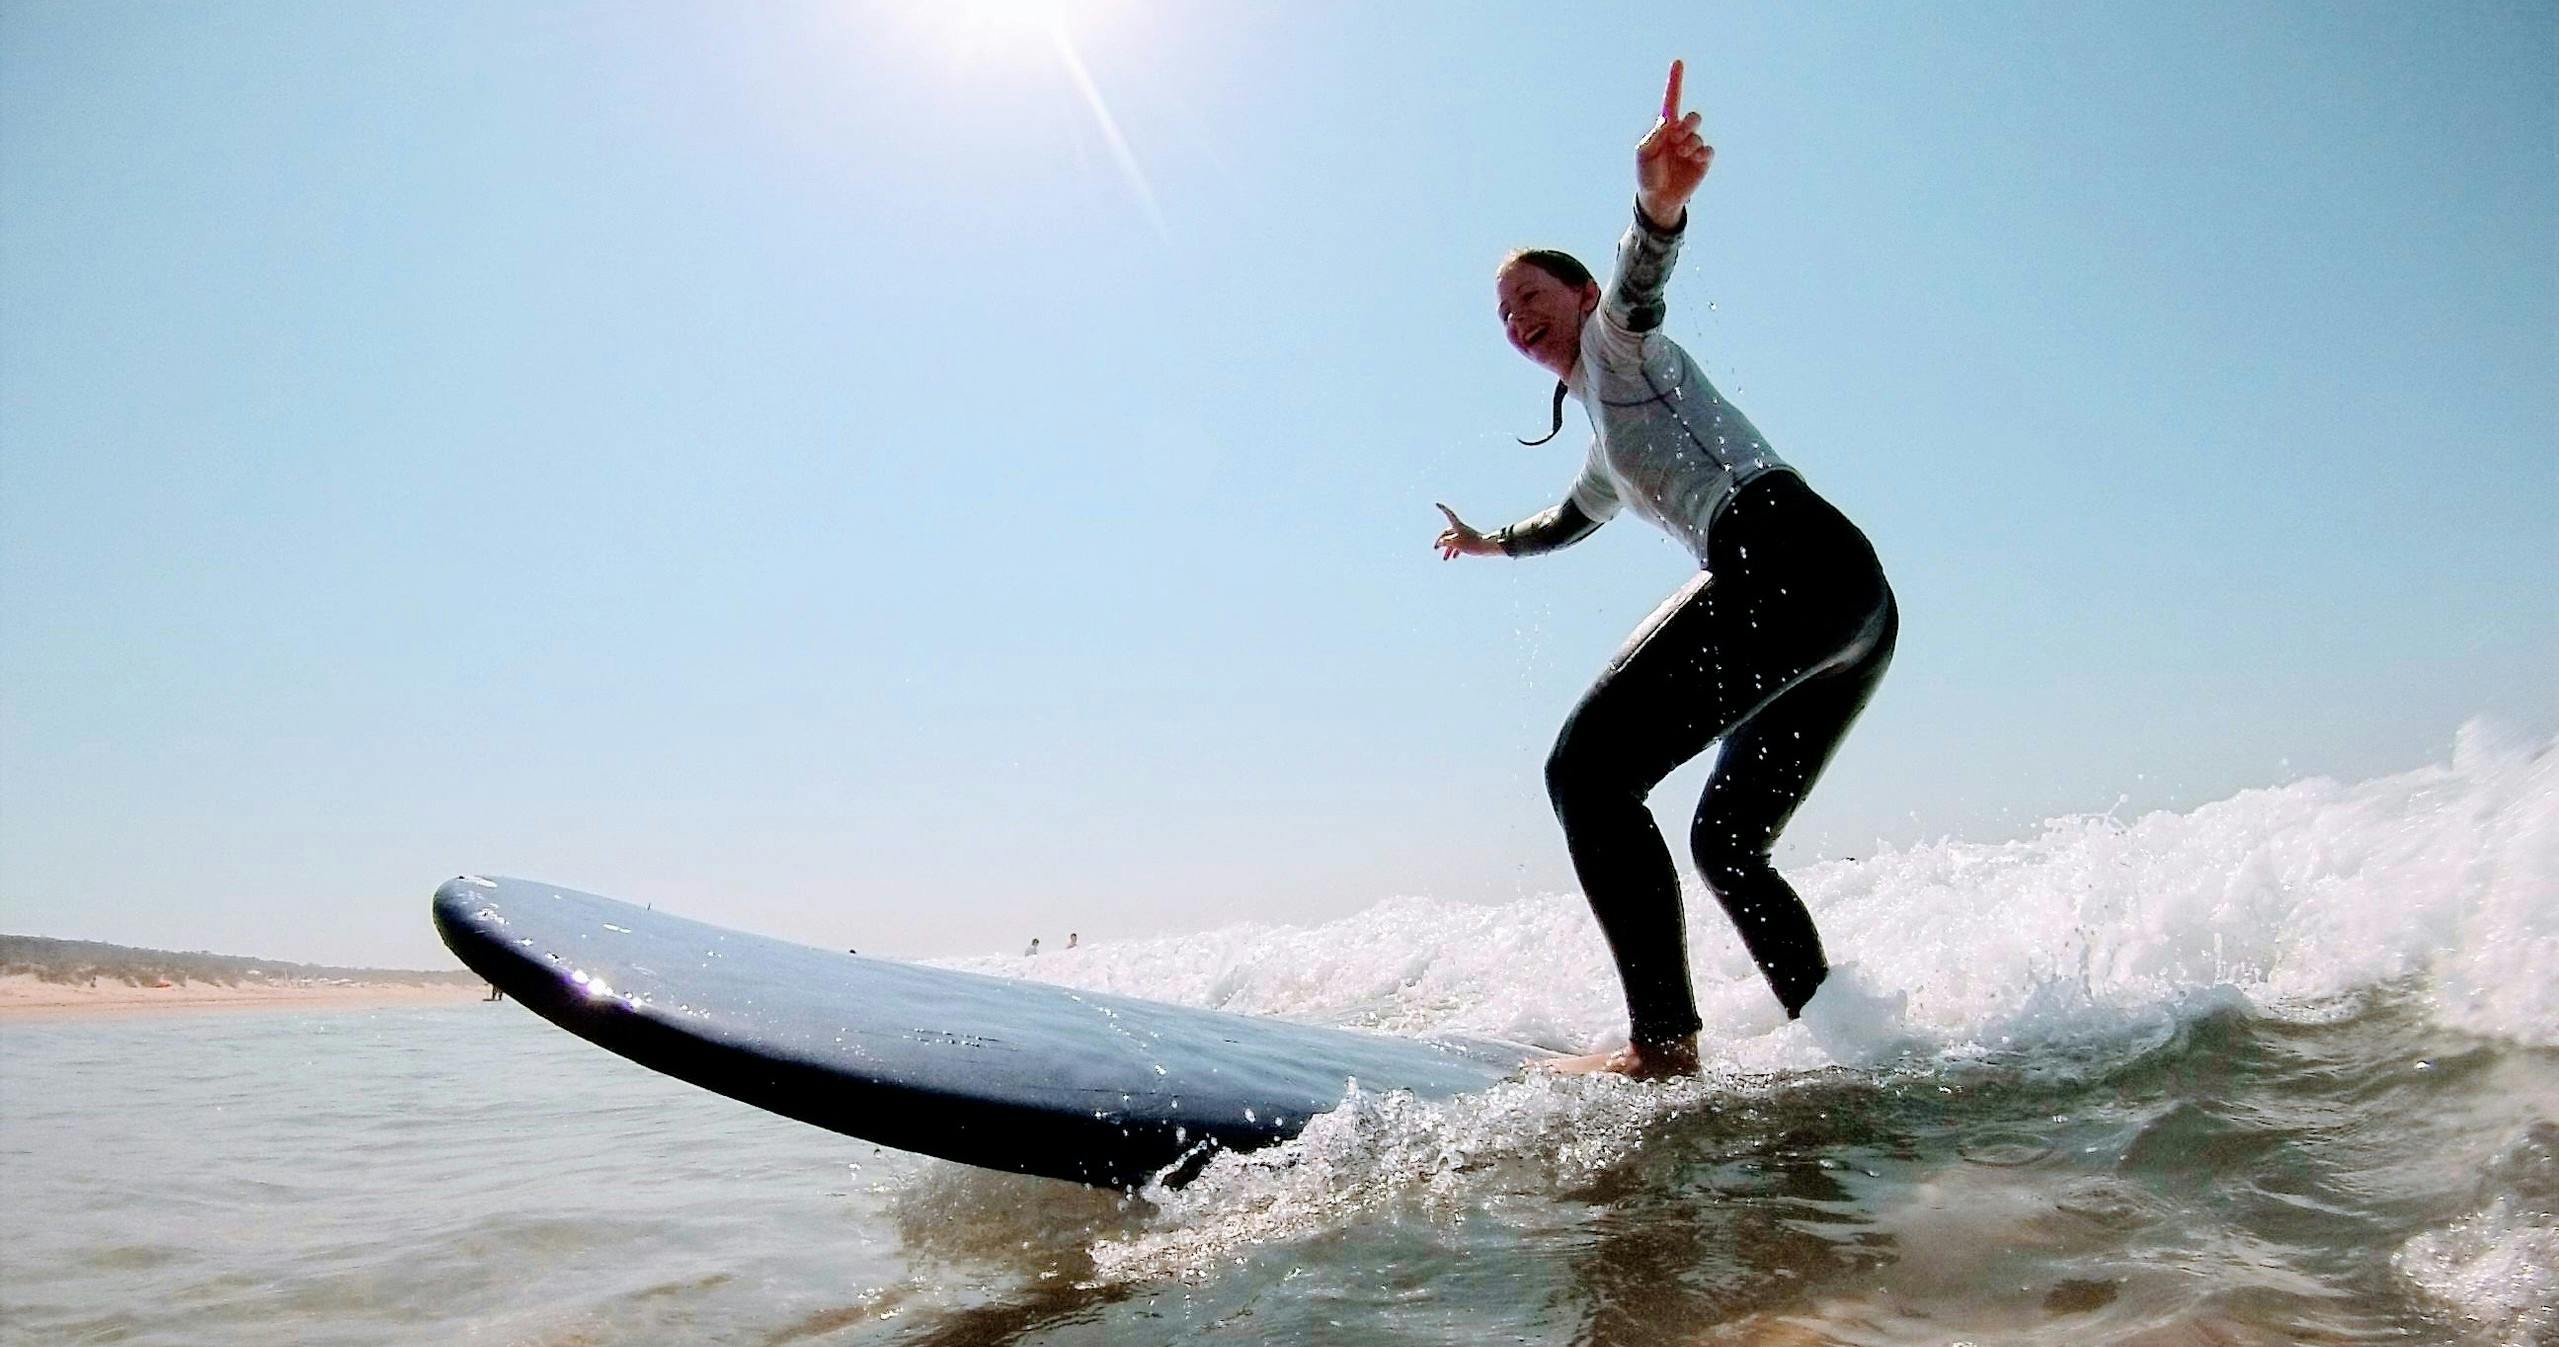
[[996, 1072]]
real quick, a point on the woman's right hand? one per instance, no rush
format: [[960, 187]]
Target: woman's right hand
[[1459, 538]]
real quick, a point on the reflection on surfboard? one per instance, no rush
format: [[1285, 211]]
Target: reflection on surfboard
[[996, 1072]]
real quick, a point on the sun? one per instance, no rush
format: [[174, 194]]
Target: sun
[[1004, 31], [1014, 33]]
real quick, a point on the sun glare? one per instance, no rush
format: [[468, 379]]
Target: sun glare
[[1007, 30], [1016, 32]]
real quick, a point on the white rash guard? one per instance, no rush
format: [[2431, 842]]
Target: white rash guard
[[1664, 441]]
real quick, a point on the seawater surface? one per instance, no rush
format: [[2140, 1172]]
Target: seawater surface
[[2281, 1069]]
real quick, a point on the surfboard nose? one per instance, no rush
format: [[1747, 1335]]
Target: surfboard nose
[[465, 907], [461, 894]]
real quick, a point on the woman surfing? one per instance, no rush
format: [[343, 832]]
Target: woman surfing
[[1772, 649]]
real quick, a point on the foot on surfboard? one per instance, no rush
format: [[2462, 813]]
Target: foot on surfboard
[[1636, 1061]]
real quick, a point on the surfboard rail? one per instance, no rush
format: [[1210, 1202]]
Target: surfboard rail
[[1001, 1073]]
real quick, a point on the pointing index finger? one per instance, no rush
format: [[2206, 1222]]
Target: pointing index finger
[[1670, 95]]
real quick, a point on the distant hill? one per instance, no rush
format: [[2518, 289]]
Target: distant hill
[[85, 961]]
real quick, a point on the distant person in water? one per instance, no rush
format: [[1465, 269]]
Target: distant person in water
[[1773, 648], [1034, 949], [1070, 940]]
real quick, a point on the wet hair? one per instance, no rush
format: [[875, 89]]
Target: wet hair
[[1565, 267]]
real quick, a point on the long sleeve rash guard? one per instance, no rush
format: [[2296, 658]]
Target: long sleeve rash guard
[[1663, 440]]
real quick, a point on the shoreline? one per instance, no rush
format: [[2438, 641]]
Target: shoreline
[[23, 996]]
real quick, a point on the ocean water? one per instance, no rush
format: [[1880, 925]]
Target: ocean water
[[2280, 1069]]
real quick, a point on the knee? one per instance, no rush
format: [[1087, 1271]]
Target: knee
[[1729, 853], [1578, 776], [1564, 771]]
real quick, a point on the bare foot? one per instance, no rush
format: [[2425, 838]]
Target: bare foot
[[1638, 1061]]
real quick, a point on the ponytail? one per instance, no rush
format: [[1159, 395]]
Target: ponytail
[[1558, 427]]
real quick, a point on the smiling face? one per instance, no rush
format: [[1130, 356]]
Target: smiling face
[[1542, 314]]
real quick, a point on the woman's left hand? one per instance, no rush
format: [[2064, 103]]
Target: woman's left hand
[[1671, 160]]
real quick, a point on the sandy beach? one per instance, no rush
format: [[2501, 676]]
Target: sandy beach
[[24, 995]]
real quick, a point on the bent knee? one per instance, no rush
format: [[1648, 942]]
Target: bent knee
[[1728, 852], [1567, 776], [1578, 775]]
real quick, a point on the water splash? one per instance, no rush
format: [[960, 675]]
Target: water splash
[[2498, 1269], [2286, 900], [1392, 1152]]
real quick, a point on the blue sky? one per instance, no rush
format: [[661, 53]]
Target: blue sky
[[791, 464]]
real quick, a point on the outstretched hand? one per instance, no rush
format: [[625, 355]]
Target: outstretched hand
[[1457, 538], [1671, 160]]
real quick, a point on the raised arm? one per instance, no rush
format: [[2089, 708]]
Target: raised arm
[[1670, 162]]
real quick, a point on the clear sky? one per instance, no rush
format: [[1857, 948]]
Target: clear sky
[[891, 475]]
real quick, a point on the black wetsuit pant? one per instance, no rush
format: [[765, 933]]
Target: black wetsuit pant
[[1774, 650]]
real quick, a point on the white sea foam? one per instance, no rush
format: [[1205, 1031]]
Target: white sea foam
[[2498, 1269], [2285, 899], [1378, 1152], [2290, 901], [2494, 1270]]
